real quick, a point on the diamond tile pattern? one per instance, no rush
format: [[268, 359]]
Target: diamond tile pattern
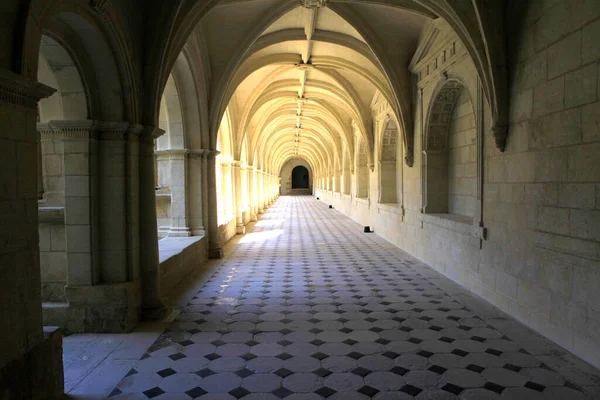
[[307, 306]]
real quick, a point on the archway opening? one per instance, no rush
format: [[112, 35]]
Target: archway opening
[[300, 178]]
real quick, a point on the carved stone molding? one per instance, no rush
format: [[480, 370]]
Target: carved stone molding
[[310, 4], [82, 129], [20, 92], [171, 154], [500, 133], [118, 131]]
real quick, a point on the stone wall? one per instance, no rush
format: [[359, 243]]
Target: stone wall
[[462, 158], [536, 254]]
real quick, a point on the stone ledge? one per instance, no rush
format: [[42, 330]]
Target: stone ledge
[[51, 215], [392, 208], [455, 223], [178, 258]]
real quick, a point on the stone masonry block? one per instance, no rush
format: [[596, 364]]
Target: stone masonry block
[[577, 195], [584, 163], [590, 122], [520, 167], [565, 55], [554, 130], [548, 98], [551, 165], [521, 105], [585, 224], [553, 219], [580, 86]]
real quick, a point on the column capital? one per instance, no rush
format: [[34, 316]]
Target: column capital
[[81, 129], [104, 130], [21, 92], [171, 154]]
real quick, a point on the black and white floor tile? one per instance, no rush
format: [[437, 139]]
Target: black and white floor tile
[[309, 307]]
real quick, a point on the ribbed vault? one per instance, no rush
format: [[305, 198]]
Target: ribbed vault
[[302, 85]]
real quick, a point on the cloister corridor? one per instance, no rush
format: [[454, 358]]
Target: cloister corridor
[[307, 306]]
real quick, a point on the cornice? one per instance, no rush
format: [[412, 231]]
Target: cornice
[[20, 92]]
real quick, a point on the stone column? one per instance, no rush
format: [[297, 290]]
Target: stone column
[[153, 306], [266, 187], [228, 187], [178, 176], [215, 251], [195, 201], [237, 183], [261, 193], [347, 185], [29, 362], [336, 181], [252, 192], [246, 209]]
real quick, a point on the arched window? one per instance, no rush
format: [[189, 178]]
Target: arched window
[[387, 163], [450, 149]]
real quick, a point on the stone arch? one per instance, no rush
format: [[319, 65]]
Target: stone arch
[[58, 70], [388, 154], [450, 141], [104, 57]]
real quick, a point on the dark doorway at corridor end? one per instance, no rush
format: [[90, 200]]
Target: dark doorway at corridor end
[[300, 178]]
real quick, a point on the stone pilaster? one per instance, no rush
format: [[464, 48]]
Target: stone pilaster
[[252, 183], [152, 305], [215, 250], [237, 184], [24, 342]]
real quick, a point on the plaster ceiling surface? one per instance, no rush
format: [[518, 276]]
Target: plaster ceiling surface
[[303, 84]]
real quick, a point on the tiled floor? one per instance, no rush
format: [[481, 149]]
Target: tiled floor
[[307, 306]]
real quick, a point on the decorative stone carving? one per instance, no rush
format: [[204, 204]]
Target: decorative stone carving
[[440, 115], [310, 4], [20, 92], [500, 133], [305, 66]]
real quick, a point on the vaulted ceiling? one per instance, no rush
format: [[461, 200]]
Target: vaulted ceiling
[[299, 81]]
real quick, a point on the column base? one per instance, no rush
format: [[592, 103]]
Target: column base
[[109, 308], [215, 254], [154, 313], [38, 374], [253, 217], [240, 229], [179, 232]]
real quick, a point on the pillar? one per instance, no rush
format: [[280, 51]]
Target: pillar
[[195, 184], [240, 228], [336, 181], [252, 193], [153, 306], [23, 349], [215, 251], [261, 193], [347, 181]]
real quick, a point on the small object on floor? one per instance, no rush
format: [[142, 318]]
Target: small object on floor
[[367, 229], [317, 198], [330, 206]]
